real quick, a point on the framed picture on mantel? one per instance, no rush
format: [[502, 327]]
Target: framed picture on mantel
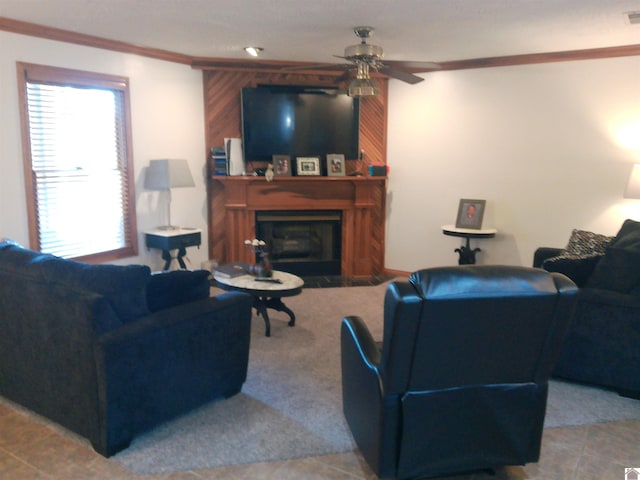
[[281, 165], [335, 165], [307, 166]]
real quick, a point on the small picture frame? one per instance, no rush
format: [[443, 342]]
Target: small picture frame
[[308, 166], [470, 213], [335, 165], [281, 165]]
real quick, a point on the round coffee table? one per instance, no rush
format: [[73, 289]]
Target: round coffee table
[[267, 293]]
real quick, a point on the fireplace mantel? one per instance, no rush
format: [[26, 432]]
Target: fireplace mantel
[[233, 202]]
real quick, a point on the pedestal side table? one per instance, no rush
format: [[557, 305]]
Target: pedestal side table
[[467, 255]]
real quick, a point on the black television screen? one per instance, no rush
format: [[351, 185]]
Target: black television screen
[[298, 121]]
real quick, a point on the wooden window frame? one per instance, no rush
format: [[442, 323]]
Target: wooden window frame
[[67, 77]]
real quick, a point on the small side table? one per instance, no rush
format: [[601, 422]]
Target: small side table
[[174, 239], [467, 254]]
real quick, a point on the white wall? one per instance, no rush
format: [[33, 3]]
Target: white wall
[[545, 145], [167, 111], [549, 146]]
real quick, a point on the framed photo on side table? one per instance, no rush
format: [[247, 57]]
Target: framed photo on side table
[[281, 165], [308, 165], [470, 213], [335, 165]]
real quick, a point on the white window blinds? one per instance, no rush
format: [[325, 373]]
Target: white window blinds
[[79, 168]]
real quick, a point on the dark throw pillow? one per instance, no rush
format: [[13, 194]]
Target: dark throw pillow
[[169, 289], [124, 287], [577, 269], [628, 235], [619, 269]]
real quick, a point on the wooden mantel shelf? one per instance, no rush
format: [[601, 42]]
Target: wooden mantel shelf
[[235, 200]]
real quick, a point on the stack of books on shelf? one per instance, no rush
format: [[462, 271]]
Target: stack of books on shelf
[[219, 161]]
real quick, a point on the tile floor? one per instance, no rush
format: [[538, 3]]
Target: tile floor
[[33, 448]]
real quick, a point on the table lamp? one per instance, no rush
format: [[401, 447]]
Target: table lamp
[[165, 175]]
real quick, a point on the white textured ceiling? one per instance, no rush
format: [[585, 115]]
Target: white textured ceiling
[[314, 30]]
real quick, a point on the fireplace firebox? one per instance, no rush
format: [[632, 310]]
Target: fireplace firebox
[[302, 242]]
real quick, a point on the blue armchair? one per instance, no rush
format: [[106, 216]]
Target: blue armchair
[[110, 351]]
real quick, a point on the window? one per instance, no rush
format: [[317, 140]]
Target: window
[[78, 163]]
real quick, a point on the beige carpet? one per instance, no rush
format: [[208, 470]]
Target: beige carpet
[[291, 405]]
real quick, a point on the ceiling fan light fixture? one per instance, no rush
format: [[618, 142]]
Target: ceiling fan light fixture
[[364, 51], [362, 85], [253, 51], [362, 88]]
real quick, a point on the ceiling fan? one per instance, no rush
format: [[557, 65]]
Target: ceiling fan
[[364, 58]]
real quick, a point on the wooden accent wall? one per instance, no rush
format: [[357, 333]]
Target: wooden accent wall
[[223, 117], [223, 120]]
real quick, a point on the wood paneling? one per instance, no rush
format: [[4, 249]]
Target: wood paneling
[[360, 199], [234, 200], [223, 114], [373, 127]]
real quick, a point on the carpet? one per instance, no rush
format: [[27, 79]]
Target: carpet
[[291, 406]]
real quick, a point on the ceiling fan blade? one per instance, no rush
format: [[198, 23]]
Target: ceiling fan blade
[[416, 67], [400, 74]]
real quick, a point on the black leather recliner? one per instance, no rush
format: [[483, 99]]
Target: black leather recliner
[[459, 382]]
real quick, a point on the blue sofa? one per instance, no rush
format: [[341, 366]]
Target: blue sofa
[[602, 345], [110, 351]]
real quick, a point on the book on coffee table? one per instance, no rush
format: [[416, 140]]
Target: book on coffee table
[[230, 270]]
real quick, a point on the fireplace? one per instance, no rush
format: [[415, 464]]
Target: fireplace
[[235, 202], [302, 242]]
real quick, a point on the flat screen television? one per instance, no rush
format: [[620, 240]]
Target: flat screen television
[[299, 122]]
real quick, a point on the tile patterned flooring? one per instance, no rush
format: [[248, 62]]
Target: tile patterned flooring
[[33, 448]]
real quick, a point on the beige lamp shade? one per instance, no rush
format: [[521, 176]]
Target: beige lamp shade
[[633, 186], [165, 175]]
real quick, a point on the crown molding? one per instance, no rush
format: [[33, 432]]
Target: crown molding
[[205, 63], [50, 33], [548, 57]]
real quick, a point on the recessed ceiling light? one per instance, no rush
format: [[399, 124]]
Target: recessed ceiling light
[[253, 51], [633, 17]]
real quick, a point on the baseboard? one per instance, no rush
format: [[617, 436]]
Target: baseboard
[[396, 273]]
